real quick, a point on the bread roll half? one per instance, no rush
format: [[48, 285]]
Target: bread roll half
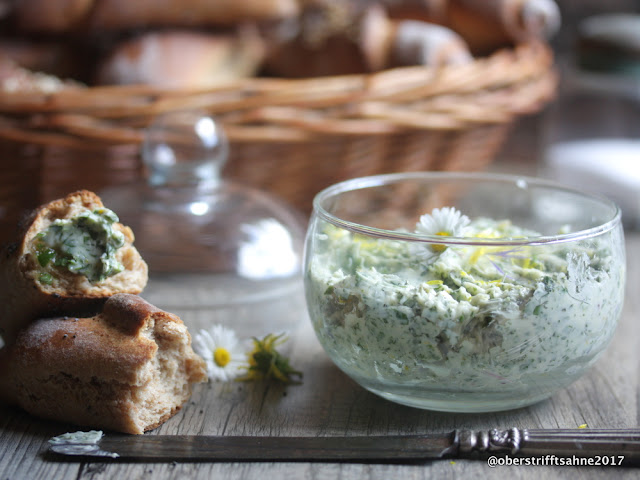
[[128, 369], [34, 284], [183, 59], [68, 16]]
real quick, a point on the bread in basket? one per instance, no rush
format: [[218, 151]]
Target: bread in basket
[[290, 136]]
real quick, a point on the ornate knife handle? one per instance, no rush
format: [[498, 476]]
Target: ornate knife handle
[[493, 441], [562, 442]]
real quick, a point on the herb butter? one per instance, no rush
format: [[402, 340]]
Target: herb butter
[[86, 244], [91, 437], [80, 443], [486, 321]]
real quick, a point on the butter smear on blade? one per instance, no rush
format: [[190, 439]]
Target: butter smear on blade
[[80, 443]]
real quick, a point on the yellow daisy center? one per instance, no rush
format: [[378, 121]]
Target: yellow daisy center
[[221, 356], [438, 247]]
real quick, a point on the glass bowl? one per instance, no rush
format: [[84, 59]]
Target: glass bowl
[[463, 292]]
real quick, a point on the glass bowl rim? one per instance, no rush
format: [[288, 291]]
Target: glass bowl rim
[[516, 180]]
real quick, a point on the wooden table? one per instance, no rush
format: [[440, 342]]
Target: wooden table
[[329, 403]]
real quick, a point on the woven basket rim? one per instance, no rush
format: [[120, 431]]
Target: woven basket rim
[[489, 90]]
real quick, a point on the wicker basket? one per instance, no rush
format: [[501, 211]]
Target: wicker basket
[[290, 137]]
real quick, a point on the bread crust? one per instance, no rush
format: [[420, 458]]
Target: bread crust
[[127, 369], [72, 16], [118, 14], [332, 38], [24, 298], [183, 59], [55, 17]]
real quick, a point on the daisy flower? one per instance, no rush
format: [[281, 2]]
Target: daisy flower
[[266, 363], [446, 222], [221, 350]]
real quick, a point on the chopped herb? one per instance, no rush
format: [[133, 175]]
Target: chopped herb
[[45, 254], [46, 278]]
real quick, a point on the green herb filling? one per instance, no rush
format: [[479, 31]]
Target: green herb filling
[[85, 244]]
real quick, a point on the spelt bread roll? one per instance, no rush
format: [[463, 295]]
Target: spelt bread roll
[[51, 16], [521, 19], [330, 38], [183, 59], [81, 16], [484, 24], [491, 24], [128, 369], [424, 43], [30, 290], [51, 57], [14, 78], [126, 14], [355, 37]]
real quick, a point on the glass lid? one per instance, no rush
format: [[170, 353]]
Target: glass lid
[[209, 243]]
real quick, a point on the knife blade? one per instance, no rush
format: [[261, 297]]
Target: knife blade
[[396, 448]]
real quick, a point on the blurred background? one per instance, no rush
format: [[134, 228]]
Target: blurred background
[[575, 11], [588, 136], [311, 92]]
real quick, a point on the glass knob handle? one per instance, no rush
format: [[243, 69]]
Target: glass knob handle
[[184, 149]]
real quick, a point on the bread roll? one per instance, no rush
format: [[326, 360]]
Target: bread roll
[[330, 38], [125, 14], [73, 16], [14, 78], [51, 16], [484, 24], [423, 43], [183, 59], [33, 286], [336, 39], [128, 369], [522, 19], [430, 10], [483, 33], [51, 57]]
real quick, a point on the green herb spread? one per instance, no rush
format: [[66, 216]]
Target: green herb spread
[[85, 244], [472, 318]]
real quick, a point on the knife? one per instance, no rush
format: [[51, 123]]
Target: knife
[[618, 446]]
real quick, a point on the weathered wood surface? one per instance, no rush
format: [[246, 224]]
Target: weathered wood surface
[[329, 403]]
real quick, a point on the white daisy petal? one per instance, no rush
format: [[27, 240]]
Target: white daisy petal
[[446, 222], [223, 353]]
